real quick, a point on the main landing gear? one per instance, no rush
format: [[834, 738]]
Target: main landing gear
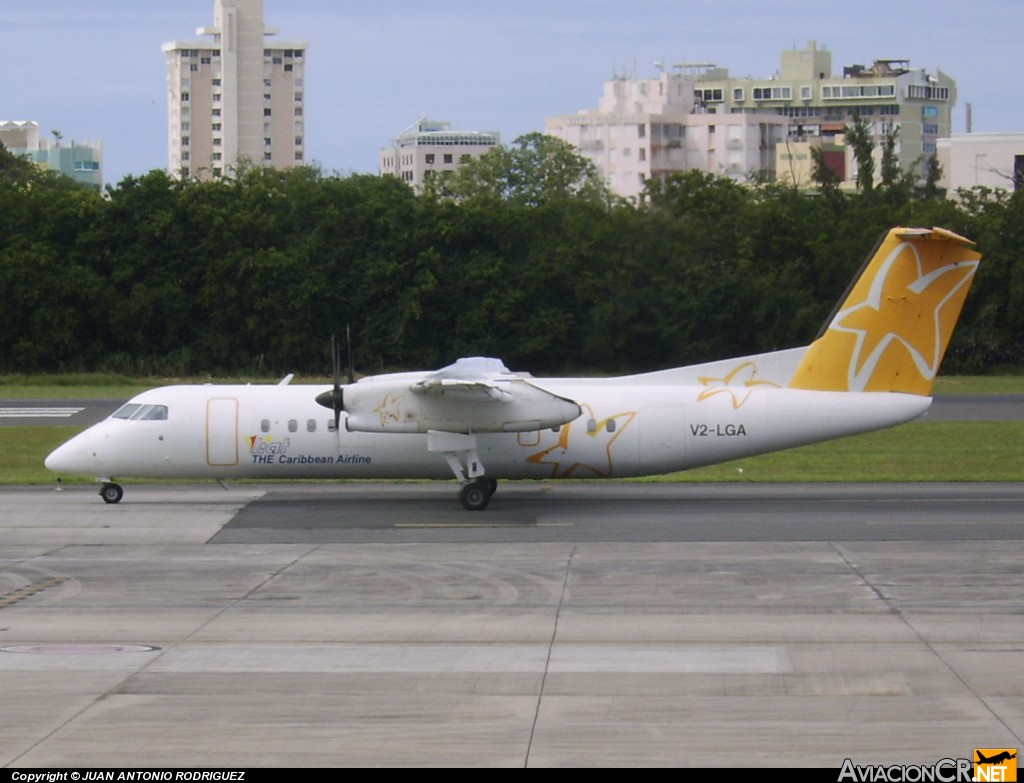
[[111, 492], [475, 495], [460, 452]]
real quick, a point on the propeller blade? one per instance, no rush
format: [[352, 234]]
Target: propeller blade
[[335, 398], [351, 360]]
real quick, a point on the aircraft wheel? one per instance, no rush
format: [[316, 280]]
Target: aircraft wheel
[[475, 496], [111, 493], [492, 485]]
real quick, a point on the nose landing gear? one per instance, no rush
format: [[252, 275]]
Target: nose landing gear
[[111, 492]]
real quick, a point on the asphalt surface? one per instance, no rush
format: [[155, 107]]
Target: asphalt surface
[[569, 624]]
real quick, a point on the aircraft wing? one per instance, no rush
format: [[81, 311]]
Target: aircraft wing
[[477, 378], [476, 394]]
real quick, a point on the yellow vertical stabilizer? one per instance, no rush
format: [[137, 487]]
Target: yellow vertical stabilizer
[[891, 331]]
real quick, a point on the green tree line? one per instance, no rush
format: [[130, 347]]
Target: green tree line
[[525, 256]]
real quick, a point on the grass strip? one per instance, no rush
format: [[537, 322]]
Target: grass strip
[[920, 451]]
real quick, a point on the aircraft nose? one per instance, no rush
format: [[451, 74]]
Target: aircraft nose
[[75, 456]]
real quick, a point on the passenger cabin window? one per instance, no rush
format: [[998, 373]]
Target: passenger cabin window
[[311, 425], [293, 425], [265, 425], [134, 411], [330, 426]]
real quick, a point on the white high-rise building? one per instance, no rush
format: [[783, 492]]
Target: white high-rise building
[[428, 147], [236, 99]]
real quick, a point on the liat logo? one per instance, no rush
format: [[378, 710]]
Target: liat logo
[[995, 764]]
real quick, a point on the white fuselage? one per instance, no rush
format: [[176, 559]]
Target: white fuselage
[[631, 426]]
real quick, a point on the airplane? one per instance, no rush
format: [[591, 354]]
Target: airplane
[[996, 759], [871, 367]]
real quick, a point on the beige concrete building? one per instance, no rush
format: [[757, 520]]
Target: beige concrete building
[[888, 94], [237, 98], [699, 117], [430, 146], [987, 160], [649, 128]]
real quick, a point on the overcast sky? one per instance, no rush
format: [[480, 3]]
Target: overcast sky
[[96, 71]]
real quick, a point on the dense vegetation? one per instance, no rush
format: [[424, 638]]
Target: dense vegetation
[[527, 258]]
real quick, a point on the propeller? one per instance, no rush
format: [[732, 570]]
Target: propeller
[[335, 398]]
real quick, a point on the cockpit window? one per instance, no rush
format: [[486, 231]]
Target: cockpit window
[[138, 412]]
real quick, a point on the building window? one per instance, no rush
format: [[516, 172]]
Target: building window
[[266, 113], [267, 142], [641, 131], [267, 156], [430, 158], [449, 158], [805, 93], [773, 93], [737, 94], [709, 95]]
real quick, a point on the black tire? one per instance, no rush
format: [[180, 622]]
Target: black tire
[[474, 496], [111, 493]]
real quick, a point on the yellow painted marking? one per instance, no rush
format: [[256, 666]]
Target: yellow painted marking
[[27, 591]]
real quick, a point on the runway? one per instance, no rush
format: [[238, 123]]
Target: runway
[[607, 624]]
